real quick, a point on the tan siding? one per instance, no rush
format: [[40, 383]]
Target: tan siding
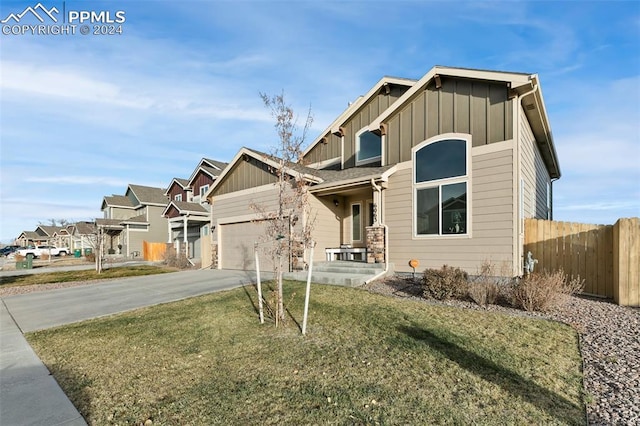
[[245, 175], [462, 106], [392, 140], [327, 225], [491, 219], [478, 105], [534, 173], [446, 106]]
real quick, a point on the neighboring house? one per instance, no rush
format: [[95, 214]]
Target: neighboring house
[[45, 235], [188, 211], [82, 235], [132, 218], [443, 170], [30, 238]]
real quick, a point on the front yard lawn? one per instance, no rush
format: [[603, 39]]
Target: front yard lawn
[[84, 275], [366, 359]]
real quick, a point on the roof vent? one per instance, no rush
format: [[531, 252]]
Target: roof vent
[[530, 107]]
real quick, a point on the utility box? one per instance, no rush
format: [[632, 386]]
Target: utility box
[[25, 264]]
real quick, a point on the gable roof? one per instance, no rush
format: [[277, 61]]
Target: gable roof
[[184, 207], [30, 235], [83, 228], [182, 183], [295, 170], [525, 86], [355, 105], [47, 230], [117, 201], [148, 194], [211, 167]]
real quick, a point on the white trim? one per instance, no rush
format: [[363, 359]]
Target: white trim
[[354, 106], [493, 147], [357, 148], [439, 183], [359, 204], [324, 163]]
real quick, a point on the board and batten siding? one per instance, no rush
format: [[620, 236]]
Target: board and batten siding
[[368, 112], [479, 108], [491, 218], [534, 172], [245, 175]]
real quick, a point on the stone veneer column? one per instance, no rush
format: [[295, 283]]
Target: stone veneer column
[[214, 255], [375, 244]]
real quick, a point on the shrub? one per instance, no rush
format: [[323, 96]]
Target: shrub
[[18, 257], [91, 257], [484, 289], [544, 291], [444, 283], [175, 260]]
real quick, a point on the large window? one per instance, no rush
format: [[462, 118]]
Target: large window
[[368, 147], [440, 187]]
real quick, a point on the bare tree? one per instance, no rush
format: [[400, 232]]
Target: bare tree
[[288, 228], [96, 240]]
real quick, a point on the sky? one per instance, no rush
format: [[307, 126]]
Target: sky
[[83, 116]]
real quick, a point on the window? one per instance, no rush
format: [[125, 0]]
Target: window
[[178, 197], [356, 220], [205, 230], [368, 147], [203, 192], [440, 187]]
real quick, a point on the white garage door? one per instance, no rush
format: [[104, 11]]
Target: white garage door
[[237, 241]]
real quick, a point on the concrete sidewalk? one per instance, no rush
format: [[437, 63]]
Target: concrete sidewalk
[[29, 395]]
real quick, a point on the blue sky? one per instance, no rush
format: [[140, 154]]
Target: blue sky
[[84, 115]]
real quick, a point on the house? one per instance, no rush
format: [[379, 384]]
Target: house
[[30, 238], [82, 235], [45, 235], [187, 212], [442, 170], [132, 218]]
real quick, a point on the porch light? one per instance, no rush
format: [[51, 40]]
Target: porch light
[[336, 202]]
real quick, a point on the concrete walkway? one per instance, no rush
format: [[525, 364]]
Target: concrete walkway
[[29, 395]]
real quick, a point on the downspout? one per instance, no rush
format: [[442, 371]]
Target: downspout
[[520, 242], [386, 235]]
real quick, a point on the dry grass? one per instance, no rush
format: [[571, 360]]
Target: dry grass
[[367, 359]]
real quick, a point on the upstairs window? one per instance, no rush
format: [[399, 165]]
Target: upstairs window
[[178, 197], [368, 147], [203, 191], [440, 188]]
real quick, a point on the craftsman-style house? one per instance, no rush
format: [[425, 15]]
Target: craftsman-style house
[[133, 218], [187, 212], [442, 170]]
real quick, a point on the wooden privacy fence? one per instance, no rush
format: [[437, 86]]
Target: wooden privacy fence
[[153, 251], [607, 257]]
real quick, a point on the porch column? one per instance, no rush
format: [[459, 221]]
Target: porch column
[[169, 231], [185, 221], [375, 244]]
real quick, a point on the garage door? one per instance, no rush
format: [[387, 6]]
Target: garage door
[[237, 242]]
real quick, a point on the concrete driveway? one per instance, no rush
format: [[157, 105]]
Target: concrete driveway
[[28, 393]]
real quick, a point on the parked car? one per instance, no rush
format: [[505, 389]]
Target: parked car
[[38, 251], [7, 250]]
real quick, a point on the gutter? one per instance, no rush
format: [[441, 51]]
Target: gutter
[[386, 239]]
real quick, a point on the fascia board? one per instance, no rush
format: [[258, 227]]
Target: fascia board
[[351, 109], [512, 78]]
